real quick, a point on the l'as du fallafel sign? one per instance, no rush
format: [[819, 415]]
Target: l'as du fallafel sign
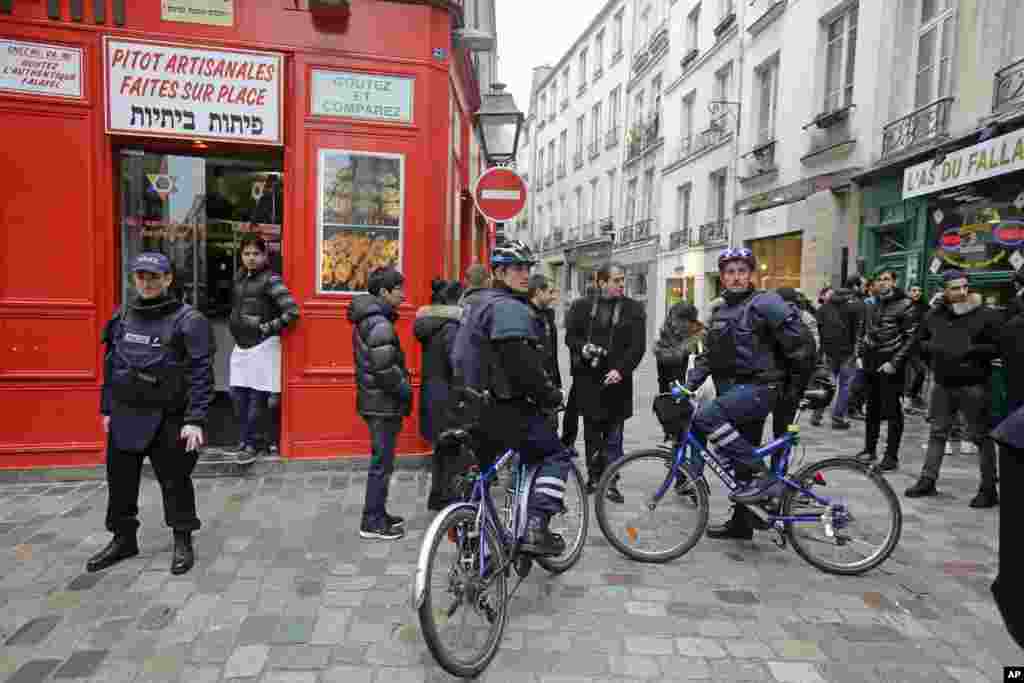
[[158, 89]]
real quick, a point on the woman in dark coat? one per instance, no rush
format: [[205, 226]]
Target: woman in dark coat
[[680, 336], [435, 328]]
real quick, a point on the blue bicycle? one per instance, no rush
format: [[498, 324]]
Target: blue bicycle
[[840, 515], [469, 552]]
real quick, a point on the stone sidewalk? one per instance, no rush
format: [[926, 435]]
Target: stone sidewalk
[[285, 591]]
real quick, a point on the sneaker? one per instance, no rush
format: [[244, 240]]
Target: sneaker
[[888, 464], [757, 491], [247, 455], [840, 424], [394, 520], [383, 532]]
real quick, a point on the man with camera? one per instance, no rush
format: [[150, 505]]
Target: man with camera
[[606, 336], [498, 361]]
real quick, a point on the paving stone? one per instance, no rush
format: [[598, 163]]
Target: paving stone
[[33, 632], [84, 582], [349, 674], [797, 649], [699, 647], [647, 645], [81, 664], [713, 628], [258, 629], [157, 617], [747, 649], [292, 630], [738, 670], [737, 597], [34, 671], [214, 646], [246, 661], [868, 634], [795, 672], [290, 677], [299, 657], [632, 666]]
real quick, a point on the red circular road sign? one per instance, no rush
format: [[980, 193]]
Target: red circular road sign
[[500, 194]]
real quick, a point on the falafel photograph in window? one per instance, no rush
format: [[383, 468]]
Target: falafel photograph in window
[[360, 217]]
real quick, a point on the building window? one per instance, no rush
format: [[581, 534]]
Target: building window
[[934, 51], [683, 195], [648, 208], [693, 29], [611, 194], [579, 206], [839, 61], [540, 165], [617, 34], [638, 108], [728, 7], [551, 156], [595, 126], [723, 83], [719, 188], [645, 28], [563, 149], [565, 85], [631, 202], [613, 108], [598, 54], [552, 110], [686, 118], [594, 195], [583, 68], [767, 99], [580, 132], [543, 106]]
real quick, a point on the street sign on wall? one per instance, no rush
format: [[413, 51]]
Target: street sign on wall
[[500, 194]]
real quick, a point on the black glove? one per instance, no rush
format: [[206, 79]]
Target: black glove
[[551, 400]]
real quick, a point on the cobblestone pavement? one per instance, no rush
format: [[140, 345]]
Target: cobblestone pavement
[[285, 591]]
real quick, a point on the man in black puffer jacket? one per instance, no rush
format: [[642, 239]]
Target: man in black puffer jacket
[[384, 392], [961, 338], [883, 347]]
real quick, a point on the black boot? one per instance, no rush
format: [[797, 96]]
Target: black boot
[[183, 556], [738, 526], [121, 547], [923, 487], [541, 541], [986, 498]]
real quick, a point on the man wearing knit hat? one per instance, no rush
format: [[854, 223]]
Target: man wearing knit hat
[[960, 339]]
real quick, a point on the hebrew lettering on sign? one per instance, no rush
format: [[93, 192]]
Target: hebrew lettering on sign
[[166, 118], [231, 123]]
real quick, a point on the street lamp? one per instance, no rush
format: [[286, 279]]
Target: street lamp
[[499, 122]]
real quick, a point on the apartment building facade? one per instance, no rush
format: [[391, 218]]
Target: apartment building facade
[[945, 187]]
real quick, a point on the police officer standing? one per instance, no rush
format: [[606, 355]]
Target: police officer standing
[[157, 388]]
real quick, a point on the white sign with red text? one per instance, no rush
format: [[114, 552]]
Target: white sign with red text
[[157, 89], [40, 69]]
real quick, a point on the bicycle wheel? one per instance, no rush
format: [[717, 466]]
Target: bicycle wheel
[[640, 528], [463, 621], [572, 523], [862, 532]]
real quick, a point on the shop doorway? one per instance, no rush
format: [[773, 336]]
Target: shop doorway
[[196, 209]]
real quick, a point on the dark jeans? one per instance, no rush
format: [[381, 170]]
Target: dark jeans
[[571, 418], [732, 424], [918, 373], [975, 402], [173, 468], [251, 411], [858, 390], [884, 396], [783, 416], [844, 379], [383, 435], [274, 420], [603, 443]]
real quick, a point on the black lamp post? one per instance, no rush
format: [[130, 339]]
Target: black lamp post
[[499, 122]]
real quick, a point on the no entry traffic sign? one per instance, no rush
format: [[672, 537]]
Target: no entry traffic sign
[[500, 194]]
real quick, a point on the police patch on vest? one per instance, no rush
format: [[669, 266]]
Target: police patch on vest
[[136, 338]]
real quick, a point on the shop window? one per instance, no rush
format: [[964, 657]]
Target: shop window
[[779, 261]]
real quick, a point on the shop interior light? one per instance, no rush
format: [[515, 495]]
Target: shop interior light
[[199, 144]]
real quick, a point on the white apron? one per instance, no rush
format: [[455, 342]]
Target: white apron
[[258, 367]]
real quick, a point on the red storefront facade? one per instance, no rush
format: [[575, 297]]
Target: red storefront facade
[[346, 143]]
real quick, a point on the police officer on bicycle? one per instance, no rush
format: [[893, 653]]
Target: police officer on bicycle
[[498, 352], [757, 355], [157, 389]]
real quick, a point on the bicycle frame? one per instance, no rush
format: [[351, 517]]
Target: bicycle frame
[[779, 450]]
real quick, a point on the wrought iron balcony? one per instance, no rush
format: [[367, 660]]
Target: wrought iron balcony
[[683, 149], [712, 234], [1009, 93], [606, 224], [581, 89], [625, 235], [577, 160], [679, 239], [724, 25], [659, 39], [640, 59], [564, 104], [652, 130], [611, 138], [561, 169], [918, 127], [594, 149]]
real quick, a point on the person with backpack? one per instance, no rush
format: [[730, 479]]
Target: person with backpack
[[435, 329], [157, 389], [758, 355]]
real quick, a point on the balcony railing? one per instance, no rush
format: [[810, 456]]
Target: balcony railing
[[724, 25], [582, 88], [625, 235], [679, 239], [712, 234], [606, 224], [682, 149], [561, 169], [652, 130], [593, 149], [611, 138], [919, 126], [1009, 88], [659, 39], [640, 59], [616, 56], [577, 160], [549, 177]]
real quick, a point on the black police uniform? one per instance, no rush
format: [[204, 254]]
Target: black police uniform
[[158, 377]]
